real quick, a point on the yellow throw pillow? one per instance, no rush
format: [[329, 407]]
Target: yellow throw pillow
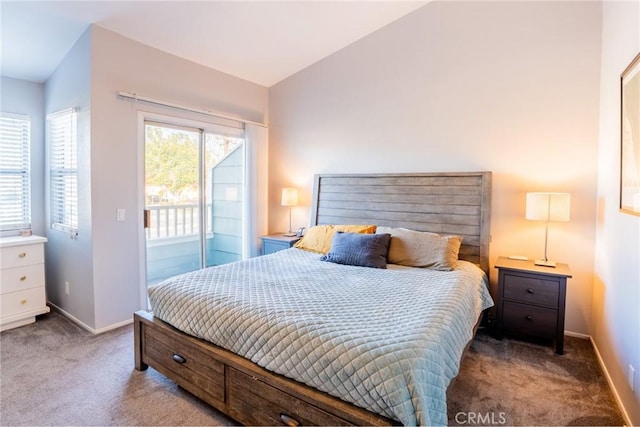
[[318, 238]]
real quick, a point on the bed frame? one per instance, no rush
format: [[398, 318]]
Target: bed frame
[[446, 203]]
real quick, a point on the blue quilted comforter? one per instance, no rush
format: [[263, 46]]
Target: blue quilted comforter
[[389, 341]]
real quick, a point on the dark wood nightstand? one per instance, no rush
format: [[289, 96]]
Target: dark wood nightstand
[[277, 242], [531, 300]]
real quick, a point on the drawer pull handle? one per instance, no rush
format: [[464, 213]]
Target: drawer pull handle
[[529, 317], [530, 290], [179, 359], [23, 278], [289, 421], [23, 302], [22, 255]]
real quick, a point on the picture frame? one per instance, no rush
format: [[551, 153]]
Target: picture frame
[[630, 138]]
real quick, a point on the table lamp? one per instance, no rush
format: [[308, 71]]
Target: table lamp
[[548, 207], [289, 199]]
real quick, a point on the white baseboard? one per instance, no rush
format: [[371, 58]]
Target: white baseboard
[[87, 327], [625, 415], [115, 326], [577, 335]]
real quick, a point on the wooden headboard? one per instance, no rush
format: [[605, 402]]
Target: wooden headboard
[[444, 203]]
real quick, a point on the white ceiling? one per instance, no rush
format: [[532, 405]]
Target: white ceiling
[[260, 41]]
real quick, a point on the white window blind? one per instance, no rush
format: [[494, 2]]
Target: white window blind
[[15, 177], [63, 170]]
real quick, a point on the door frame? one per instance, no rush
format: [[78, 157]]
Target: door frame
[[144, 116]]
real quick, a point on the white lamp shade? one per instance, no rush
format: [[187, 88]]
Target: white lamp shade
[[548, 206], [289, 197]]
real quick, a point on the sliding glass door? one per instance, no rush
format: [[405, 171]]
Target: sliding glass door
[[194, 195], [224, 192]]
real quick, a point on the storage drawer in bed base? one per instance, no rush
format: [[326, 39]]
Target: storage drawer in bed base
[[268, 406], [236, 386], [185, 364]]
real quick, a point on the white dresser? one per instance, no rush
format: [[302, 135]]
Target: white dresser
[[22, 291]]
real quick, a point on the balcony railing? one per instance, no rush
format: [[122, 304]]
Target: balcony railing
[[171, 221]]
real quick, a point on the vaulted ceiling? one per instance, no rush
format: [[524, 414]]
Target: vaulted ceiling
[[260, 41]]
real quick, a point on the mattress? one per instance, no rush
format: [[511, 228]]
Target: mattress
[[389, 341]]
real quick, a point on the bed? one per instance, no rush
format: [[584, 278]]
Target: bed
[[292, 358]]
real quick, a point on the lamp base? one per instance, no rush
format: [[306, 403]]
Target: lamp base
[[545, 263], [289, 234]]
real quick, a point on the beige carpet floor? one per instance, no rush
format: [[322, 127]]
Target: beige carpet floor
[[519, 383], [53, 373]]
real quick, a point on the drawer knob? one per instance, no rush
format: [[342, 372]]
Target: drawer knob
[[529, 290], [23, 278], [289, 421], [179, 359], [529, 317], [22, 255], [23, 302]]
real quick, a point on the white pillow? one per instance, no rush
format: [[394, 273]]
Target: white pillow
[[422, 249]]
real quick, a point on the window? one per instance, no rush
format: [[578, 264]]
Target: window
[[15, 177], [63, 170]]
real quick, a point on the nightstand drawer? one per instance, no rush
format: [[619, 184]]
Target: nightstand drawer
[[529, 320], [277, 242], [269, 247], [531, 290]]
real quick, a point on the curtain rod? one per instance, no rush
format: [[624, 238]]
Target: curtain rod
[[137, 97]]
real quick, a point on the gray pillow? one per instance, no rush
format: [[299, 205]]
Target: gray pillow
[[364, 250], [422, 249]]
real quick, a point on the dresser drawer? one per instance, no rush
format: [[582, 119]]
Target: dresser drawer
[[14, 303], [253, 402], [531, 290], [530, 320], [19, 256], [185, 364], [20, 278]]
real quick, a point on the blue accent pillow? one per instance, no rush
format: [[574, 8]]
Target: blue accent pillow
[[364, 250]]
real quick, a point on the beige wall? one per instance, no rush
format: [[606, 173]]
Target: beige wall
[[71, 260], [121, 64], [104, 263], [616, 290], [510, 87]]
